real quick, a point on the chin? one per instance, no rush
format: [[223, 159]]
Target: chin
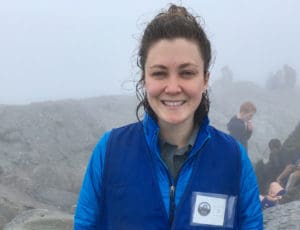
[[174, 120]]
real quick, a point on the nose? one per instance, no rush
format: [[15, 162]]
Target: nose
[[173, 85]]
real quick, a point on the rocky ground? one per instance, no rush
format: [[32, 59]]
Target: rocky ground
[[37, 219], [283, 217], [44, 147], [279, 217]]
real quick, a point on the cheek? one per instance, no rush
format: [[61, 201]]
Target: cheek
[[153, 88], [195, 92], [197, 97]]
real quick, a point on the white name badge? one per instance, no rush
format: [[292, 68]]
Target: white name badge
[[211, 209]]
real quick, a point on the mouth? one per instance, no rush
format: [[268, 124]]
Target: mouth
[[173, 103]]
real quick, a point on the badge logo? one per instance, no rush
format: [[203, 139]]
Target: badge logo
[[204, 208]]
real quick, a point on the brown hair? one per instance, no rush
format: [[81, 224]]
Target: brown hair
[[174, 23], [247, 107]]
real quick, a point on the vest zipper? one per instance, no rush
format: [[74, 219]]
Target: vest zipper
[[177, 176], [172, 203], [172, 190], [173, 182]]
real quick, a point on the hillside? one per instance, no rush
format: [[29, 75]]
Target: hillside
[[44, 149]]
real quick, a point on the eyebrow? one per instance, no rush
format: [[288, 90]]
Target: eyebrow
[[180, 67], [158, 66], [187, 65]]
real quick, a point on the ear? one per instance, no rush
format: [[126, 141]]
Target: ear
[[207, 75], [206, 78]]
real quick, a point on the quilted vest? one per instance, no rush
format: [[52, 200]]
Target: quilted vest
[[131, 198]]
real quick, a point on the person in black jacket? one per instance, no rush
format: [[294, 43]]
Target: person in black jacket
[[240, 126], [276, 158]]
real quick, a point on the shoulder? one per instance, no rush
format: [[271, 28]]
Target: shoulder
[[127, 126], [105, 139], [225, 145], [127, 129], [235, 121], [124, 136]]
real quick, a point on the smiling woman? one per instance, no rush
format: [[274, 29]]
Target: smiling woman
[[172, 170], [174, 82]]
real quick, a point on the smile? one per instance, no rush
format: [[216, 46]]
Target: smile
[[173, 103]]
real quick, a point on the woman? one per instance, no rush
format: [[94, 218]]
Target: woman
[[171, 170]]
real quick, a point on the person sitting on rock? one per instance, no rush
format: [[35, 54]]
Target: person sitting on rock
[[276, 161], [276, 190], [292, 173], [267, 173], [275, 194], [290, 176]]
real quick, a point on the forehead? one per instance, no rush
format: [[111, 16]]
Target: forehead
[[174, 51]]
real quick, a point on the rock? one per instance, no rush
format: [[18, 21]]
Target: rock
[[292, 195], [285, 217], [13, 201], [37, 219]]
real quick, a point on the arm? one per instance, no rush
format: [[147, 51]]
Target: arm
[[285, 173], [249, 203], [88, 210], [249, 129], [274, 198]]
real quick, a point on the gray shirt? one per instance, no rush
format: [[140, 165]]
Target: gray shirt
[[174, 157]]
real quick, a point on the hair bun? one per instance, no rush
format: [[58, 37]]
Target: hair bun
[[178, 10]]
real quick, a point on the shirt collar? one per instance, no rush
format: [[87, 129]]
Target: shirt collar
[[190, 143]]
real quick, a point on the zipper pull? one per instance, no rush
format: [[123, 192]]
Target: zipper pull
[[172, 203], [172, 192]]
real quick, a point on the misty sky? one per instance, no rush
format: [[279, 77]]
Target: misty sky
[[57, 49]]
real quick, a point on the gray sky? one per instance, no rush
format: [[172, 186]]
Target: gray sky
[[56, 49]]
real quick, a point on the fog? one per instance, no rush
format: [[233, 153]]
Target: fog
[[57, 49]]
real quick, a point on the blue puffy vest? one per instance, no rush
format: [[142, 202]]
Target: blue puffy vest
[[131, 198]]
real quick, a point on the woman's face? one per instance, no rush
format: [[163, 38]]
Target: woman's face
[[174, 80]]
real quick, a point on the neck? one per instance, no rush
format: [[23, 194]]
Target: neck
[[176, 134]]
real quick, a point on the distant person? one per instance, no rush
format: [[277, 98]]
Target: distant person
[[276, 161], [267, 173], [240, 126], [287, 182], [275, 194], [172, 170], [290, 176], [294, 178], [275, 146]]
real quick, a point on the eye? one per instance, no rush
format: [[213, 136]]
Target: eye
[[158, 74], [187, 73]]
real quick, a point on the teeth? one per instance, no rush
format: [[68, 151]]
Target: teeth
[[173, 103]]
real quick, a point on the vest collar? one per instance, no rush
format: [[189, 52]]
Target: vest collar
[[151, 130]]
